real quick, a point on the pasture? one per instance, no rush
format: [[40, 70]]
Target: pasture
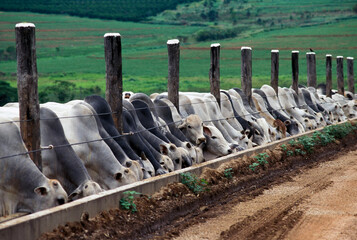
[[71, 49]]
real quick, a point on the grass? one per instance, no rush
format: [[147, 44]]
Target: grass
[[71, 49]]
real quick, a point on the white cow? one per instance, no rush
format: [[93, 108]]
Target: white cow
[[23, 188]]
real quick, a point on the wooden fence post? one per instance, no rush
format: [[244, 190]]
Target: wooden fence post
[[214, 72], [114, 77], [350, 75], [311, 69], [246, 72], [340, 80], [328, 75], [274, 79], [27, 89], [295, 70], [173, 48]]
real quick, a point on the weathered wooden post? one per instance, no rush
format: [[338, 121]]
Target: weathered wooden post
[[173, 48], [27, 81], [350, 75], [114, 77], [311, 69], [246, 72], [274, 80], [340, 80], [214, 72], [295, 70], [328, 75]]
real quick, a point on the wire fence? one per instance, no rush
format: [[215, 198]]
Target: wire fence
[[51, 147]]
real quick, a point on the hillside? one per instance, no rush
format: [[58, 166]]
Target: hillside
[[70, 52], [230, 18], [127, 10]]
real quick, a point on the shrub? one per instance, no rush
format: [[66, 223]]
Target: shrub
[[217, 33], [228, 173], [193, 183], [127, 202]]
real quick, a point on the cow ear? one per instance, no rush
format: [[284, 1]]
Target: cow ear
[[172, 147], [246, 132], [287, 122], [164, 150], [207, 131], [143, 156], [75, 194], [182, 126], [41, 191]]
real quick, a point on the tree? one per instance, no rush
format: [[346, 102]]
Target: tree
[[61, 91]]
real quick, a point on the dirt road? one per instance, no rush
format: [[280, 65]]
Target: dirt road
[[300, 197], [319, 203]]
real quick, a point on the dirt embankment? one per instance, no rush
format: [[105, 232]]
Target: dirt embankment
[[270, 203]]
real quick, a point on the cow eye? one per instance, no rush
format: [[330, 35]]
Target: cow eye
[[213, 137], [189, 126]]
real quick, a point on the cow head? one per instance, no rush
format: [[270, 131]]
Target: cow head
[[177, 154], [87, 188], [147, 167], [49, 194], [215, 142], [192, 129]]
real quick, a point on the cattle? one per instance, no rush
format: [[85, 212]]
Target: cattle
[[104, 116], [162, 119], [262, 131], [348, 106], [205, 105], [179, 155], [60, 162], [207, 137], [81, 130], [272, 102], [23, 188], [288, 103], [150, 142]]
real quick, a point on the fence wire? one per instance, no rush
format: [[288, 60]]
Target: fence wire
[[51, 147]]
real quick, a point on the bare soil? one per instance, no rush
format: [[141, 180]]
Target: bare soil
[[296, 197]]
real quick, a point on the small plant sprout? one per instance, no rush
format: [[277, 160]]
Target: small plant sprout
[[283, 146], [253, 166], [262, 158], [228, 173], [292, 142], [299, 151], [127, 202], [193, 183]]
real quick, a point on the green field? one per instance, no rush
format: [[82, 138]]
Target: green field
[[71, 49]]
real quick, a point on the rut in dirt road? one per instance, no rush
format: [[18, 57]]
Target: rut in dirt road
[[279, 211]]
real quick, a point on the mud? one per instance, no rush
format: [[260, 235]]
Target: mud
[[269, 203]]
